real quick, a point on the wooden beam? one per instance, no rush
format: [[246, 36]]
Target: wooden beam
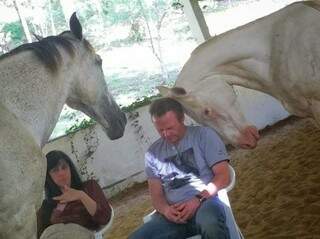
[[196, 20]]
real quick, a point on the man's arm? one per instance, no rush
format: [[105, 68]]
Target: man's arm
[[220, 180], [157, 196], [160, 203], [215, 154]]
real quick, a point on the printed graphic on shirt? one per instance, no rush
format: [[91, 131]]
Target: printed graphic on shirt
[[187, 170]]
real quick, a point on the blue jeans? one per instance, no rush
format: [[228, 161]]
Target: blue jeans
[[209, 221]]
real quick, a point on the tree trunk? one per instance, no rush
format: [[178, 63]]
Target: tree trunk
[[159, 38], [150, 37], [157, 53], [23, 21]]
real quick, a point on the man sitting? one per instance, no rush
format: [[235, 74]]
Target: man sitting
[[185, 168]]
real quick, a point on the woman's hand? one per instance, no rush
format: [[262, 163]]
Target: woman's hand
[[69, 195]]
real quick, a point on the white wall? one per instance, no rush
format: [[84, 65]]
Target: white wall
[[118, 164], [259, 108]]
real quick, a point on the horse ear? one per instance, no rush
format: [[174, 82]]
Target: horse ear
[[178, 91], [75, 26], [164, 91], [175, 92]]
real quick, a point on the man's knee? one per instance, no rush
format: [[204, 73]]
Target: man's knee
[[160, 228], [212, 221], [134, 235], [156, 233], [142, 232]]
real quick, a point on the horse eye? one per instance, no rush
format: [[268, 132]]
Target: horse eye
[[206, 112]]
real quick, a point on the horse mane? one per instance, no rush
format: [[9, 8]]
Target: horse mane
[[46, 50]]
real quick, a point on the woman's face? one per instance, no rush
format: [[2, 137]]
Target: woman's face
[[61, 174]]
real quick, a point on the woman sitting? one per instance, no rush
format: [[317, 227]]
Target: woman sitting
[[68, 199]]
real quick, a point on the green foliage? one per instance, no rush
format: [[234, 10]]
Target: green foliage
[[15, 31], [88, 13], [82, 125], [157, 9], [135, 13], [121, 11], [139, 103], [183, 31], [177, 5], [137, 33], [58, 16]]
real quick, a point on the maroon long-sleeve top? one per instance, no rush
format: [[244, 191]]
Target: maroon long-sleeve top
[[75, 212]]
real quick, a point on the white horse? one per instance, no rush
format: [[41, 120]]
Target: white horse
[[36, 80], [278, 54]]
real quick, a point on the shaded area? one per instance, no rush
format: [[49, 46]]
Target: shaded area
[[277, 192]]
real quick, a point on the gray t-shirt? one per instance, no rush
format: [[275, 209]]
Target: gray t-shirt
[[185, 169]]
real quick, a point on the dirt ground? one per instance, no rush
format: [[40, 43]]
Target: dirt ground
[[277, 191]]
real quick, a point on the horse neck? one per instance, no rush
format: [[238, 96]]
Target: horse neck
[[247, 48], [33, 94]]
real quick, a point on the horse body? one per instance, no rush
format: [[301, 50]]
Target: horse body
[[32, 95], [22, 178], [278, 55]]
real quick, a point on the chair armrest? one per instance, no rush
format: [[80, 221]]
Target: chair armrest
[[232, 175], [148, 217], [99, 234]]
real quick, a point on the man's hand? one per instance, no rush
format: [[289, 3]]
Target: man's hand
[[69, 195], [187, 209], [173, 215]]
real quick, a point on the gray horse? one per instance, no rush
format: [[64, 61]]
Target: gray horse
[[37, 79]]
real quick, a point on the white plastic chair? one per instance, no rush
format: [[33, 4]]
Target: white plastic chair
[[234, 230], [103, 231]]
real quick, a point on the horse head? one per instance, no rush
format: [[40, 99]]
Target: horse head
[[88, 91], [217, 108]]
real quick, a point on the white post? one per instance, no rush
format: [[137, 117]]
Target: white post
[[196, 20]]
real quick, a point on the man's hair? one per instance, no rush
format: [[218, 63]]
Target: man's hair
[[160, 107]]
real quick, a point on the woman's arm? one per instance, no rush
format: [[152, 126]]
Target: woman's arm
[[102, 214], [88, 203]]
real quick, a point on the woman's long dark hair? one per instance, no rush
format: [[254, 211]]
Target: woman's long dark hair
[[52, 189]]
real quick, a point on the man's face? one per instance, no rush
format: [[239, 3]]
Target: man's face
[[170, 127]]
